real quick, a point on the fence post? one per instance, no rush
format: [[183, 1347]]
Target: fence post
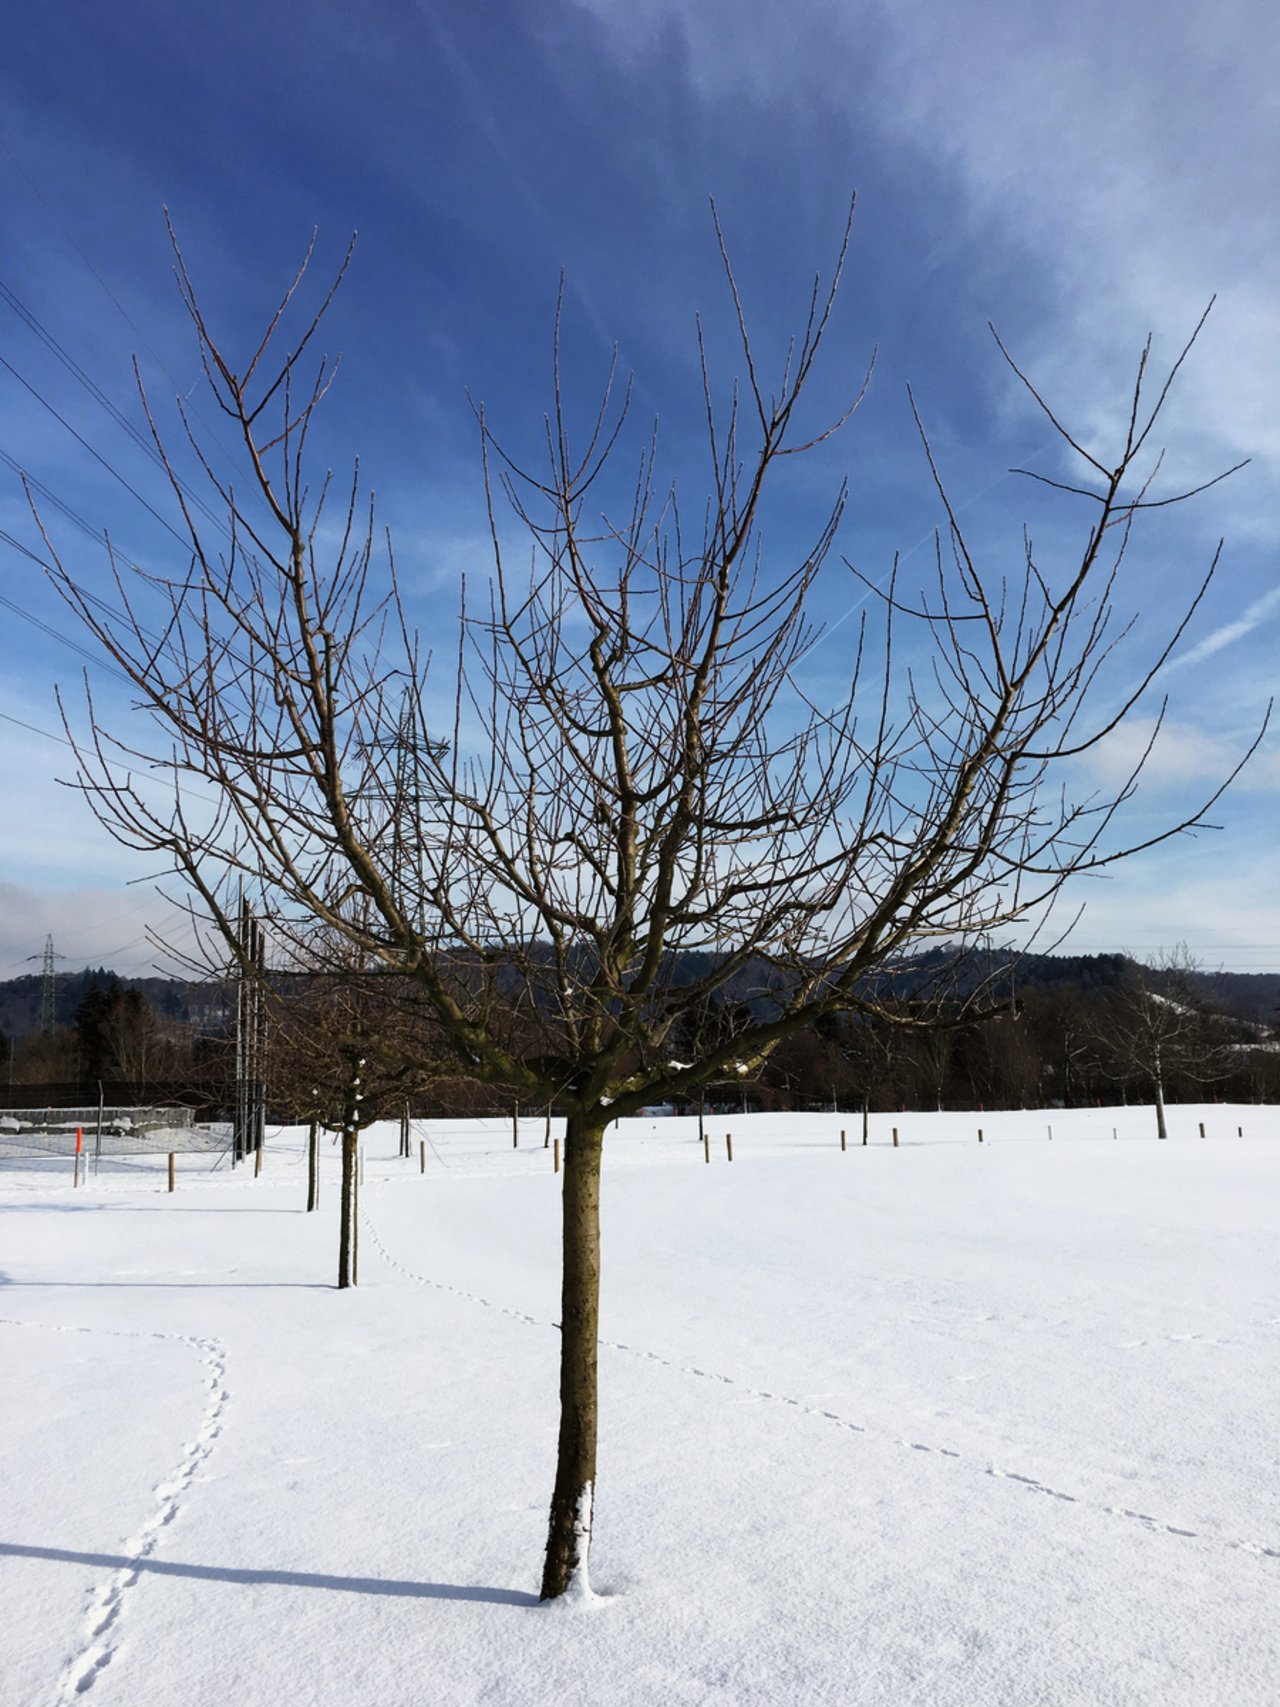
[[895, 1137], [171, 1170], [979, 1135], [728, 1144], [422, 1155], [1202, 1128], [706, 1147]]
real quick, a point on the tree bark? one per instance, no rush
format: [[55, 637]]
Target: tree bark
[[569, 1535], [1162, 1131]]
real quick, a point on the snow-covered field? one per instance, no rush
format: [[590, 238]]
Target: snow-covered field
[[950, 1425]]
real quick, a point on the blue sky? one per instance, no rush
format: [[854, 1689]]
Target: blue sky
[[1080, 176]]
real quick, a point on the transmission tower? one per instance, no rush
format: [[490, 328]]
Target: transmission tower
[[48, 976], [410, 747]]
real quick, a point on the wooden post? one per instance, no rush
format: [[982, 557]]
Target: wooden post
[[1239, 1131], [422, 1155], [728, 1144], [1202, 1128], [979, 1135], [171, 1170], [706, 1147], [842, 1142], [865, 1104], [515, 1126], [895, 1137], [1051, 1134], [555, 1156]]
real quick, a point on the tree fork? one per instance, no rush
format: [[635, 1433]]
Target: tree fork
[[569, 1534]]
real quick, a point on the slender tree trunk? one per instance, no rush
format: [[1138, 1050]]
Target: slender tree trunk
[[569, 1536], [347, 1249], [313, 1167], [347, 1208], [1162, 1131]]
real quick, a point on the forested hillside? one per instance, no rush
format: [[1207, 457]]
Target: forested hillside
[[1070, 1031]]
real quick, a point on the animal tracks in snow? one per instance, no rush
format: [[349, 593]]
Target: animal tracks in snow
[[749, 1395], [100, 1640]]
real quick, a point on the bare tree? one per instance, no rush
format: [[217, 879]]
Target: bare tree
[[347, 1044], [1158, 1029], [624, 799]]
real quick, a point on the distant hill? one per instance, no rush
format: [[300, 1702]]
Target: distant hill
[[1253, 996], [172, 998]]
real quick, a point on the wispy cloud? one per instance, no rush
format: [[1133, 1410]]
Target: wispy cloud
[[1229, 632], [1182, 753], [1108, 168]]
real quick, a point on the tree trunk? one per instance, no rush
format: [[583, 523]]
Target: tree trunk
[[347, 1209], [313, 1167], [569, 1536], [351, 1100], [1162, 1131]]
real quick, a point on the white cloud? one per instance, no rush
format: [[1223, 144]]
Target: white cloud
[[1223, 916], [1125, 155], [1229, 632], [1183, 753]]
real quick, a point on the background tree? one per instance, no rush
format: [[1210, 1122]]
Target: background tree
[[91, 1021], [1159, 1030], [634, 766]]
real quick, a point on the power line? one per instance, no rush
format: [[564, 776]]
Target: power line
[[108, 292], [97, 455], [47, 733], [54, 634], [33, 322]]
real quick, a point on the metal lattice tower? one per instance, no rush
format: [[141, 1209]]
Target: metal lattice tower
[[48, 975]]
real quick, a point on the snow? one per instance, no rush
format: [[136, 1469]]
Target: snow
[[950, 1424]]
